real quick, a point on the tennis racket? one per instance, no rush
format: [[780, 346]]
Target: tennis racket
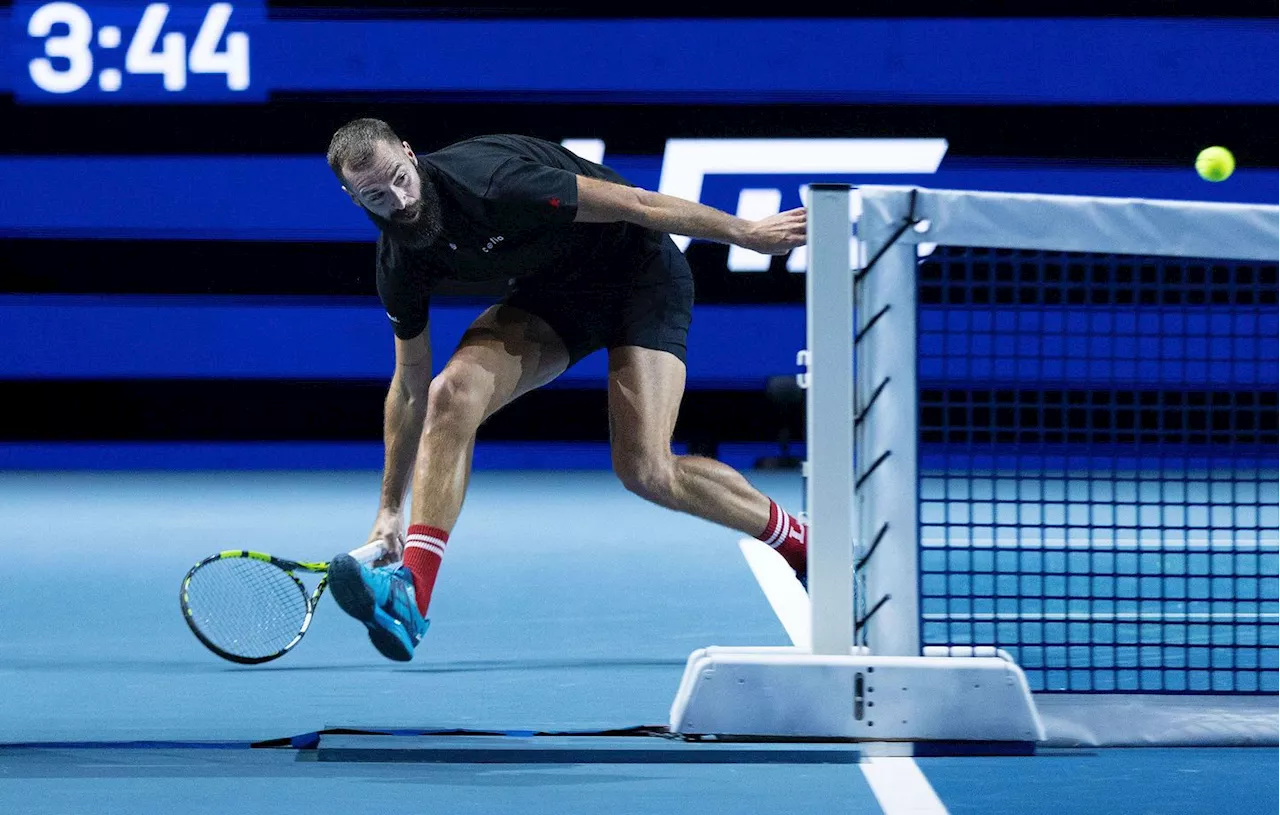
[[251, 607]]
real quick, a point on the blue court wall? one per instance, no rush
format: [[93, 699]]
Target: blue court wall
[[203, 337]]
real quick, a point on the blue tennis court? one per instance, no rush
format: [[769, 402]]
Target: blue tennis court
[[988, 302], [110, 705]]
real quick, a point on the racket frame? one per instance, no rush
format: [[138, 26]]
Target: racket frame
[[284, 565]]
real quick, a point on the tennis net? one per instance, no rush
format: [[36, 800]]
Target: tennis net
[[1092, 433], [1098, 481]]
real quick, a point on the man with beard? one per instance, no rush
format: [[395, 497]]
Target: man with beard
[[591, 265]]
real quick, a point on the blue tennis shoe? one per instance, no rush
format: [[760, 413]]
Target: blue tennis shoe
[[382, 599]]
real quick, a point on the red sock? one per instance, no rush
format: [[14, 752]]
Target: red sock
[[789, 535], [423, 552]]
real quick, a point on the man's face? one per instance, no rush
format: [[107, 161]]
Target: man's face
[[390, 190]]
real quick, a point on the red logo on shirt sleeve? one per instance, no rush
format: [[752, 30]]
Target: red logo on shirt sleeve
[[555, 202]]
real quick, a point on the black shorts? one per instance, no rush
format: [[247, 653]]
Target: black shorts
[[644, 300]]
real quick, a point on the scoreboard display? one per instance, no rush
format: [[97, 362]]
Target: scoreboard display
[[159, 52]]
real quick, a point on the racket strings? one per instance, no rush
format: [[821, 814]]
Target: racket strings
[[246, 607]]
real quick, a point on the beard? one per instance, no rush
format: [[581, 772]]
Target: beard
[[417, 226]]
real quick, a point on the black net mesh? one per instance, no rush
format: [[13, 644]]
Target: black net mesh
[[1098, 489]]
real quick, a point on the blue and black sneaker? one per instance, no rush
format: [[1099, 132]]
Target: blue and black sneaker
[[383, 600]]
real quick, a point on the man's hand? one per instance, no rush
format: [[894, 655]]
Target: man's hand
[[777, 234], [386, 531]]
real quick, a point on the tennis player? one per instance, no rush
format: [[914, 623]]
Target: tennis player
[[590, 264]]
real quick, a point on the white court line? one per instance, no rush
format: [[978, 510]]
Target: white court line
[[898, 784], [787, 598], [900, 787]]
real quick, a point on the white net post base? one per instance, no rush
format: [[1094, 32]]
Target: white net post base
[[788, 692]]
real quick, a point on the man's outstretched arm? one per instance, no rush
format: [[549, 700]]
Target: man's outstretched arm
[[605, 202], [404, 412]]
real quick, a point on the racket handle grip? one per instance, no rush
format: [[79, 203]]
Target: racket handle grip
[[369, 552]]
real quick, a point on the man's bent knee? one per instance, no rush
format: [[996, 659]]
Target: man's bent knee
[[458, 397], [650, 476]]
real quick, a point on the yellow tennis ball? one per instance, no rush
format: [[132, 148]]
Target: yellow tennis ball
[[1215, 163]]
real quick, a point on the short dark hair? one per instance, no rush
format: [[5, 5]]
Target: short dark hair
[[353, 146]]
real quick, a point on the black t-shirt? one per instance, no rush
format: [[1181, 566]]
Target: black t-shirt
[[507, 205]]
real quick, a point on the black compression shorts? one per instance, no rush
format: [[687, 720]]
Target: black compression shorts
[[646, 302]]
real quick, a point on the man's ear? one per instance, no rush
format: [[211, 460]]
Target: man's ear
[[408, 150]]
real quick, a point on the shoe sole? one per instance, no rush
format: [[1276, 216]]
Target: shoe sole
[[353, 597]]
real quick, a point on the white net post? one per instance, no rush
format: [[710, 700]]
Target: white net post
[[886, 476], [829, 417]]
